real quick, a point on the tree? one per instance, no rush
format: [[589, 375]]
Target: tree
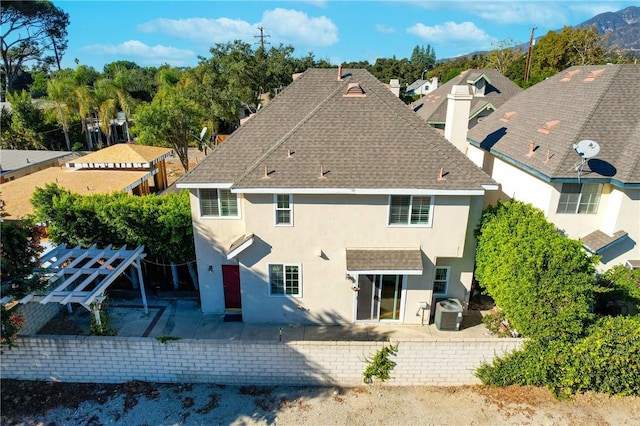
[[19, 252], [504, 53], [58, 92], [556, 52], [161, 224], [30, 29], [423, 58], [27, 124], [172, 120], [542, 280]]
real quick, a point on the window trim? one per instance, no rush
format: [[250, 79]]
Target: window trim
[[409, 224], [598, 192], [203, 216], [284, 294], [446, 283], [276, 210]]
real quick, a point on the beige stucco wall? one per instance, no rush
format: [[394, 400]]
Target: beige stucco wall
[[618, 210], [324, 226]]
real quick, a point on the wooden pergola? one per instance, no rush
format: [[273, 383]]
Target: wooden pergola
[[81, 275]]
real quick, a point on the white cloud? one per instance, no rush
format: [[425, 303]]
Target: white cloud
[[142, 53], [547, 14], [464, 36], [281, 25], [385, 29], [298, 28], [201, 30]]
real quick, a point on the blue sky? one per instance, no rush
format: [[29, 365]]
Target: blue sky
[[152, 33]]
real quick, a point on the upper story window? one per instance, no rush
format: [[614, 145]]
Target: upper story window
[[410, 210], [218, 203], [579, 198], [285, 280], [441, 280], [284, 209]]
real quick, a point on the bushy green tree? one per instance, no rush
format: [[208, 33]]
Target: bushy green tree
[[19, 252], [542, 280]]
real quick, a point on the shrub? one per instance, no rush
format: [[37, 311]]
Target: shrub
[[380, 365]]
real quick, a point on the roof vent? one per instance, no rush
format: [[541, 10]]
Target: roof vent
[[508, 116], [569, 75], [593, 75], [548, 126], [340, 72], [354, 89]]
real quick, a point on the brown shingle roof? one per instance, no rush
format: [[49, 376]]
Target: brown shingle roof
[[123, 153], [371, 141], [433, 107], [603, 107], [597, 241], [384, 260]]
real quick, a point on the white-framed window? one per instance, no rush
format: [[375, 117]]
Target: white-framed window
[[218, 203], [410, 210], [579, 198], [284, 209], [441, 280], [285, 280]]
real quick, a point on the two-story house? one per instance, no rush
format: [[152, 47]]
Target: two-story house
[[570, 145], [335, 203], [488, 88]]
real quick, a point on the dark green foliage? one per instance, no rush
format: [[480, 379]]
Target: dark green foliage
[[19, 250], [607, 360], [618, 292], [380, 365], [542, 280], [161, 223]]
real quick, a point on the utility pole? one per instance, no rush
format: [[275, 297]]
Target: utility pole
[[262, 36], [528, 61]]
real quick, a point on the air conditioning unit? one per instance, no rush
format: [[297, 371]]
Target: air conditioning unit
[[448, 314]]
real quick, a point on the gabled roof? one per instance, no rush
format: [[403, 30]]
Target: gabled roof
[[433, 107], [313, 135], [597, 102], [122, 154]]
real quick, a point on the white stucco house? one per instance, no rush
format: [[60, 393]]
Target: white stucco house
[[335, 203], [570, 145]]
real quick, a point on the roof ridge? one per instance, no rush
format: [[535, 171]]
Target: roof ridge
[[601, 95], [284, 138]]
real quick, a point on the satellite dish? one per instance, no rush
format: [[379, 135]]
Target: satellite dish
[[203, 132], [587, 148]]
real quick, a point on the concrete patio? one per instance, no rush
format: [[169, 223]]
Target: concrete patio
[[181, 317]]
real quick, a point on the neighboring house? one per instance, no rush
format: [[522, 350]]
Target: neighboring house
[[570, 145], [422, 87], [334, 203], [138, 170], [489, 88], [15, 163]]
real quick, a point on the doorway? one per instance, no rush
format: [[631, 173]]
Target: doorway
[[379, 298], [231, 286]]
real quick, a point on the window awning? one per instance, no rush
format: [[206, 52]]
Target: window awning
[[633, 263], [598, 242], [385, 261], [240, 245]]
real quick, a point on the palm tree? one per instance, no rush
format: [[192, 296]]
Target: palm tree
[[58, 92]]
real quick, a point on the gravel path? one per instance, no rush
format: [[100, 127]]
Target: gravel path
[[140, 403]]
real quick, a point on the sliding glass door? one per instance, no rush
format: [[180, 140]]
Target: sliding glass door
[[379, 297]]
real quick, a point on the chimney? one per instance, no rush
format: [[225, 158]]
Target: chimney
[[457, 121], [340, 72], [394, 86]]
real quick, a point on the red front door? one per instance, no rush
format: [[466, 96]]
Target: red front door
[[231, 285]]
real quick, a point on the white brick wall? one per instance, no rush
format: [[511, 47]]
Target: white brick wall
[[120, 359], [36, 316]]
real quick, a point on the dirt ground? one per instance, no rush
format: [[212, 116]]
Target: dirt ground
[[140, 403]]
